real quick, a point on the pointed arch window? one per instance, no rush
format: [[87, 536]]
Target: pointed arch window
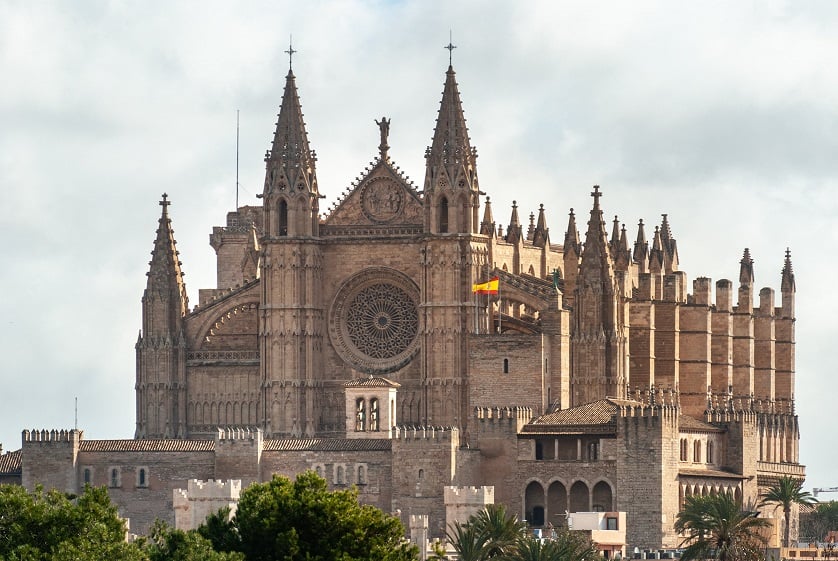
[[443, 215], [283, 218], [506, 366]]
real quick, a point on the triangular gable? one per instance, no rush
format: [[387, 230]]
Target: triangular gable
[[382, 197]]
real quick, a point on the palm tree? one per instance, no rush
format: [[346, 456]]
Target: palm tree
[[716, 527], [786, 492], [500, 530], [469, 544]]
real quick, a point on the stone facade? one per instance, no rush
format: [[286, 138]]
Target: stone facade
[[349, 341]]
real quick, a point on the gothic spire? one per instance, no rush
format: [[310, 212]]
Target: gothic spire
[[571, 236], [746, 268], [531, 228], [540, 235], [595, 253], [290, 163], [450, 159], [669, 246], [656, 258], [514, 231], [487, 226], [165, 278], [787, 283], [641, 247]]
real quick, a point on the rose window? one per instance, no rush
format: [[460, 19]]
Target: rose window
[[375, 321]]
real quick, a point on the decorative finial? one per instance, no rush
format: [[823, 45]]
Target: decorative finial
[[290, 52], [384, 129], [165, 202], [596, 195], [450, 46]]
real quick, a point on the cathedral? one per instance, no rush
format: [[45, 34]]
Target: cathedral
[[359, 341]]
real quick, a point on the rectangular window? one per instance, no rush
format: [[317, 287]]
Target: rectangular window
[[610, 523]]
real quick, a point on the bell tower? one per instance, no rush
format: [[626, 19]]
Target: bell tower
[[292, 315]]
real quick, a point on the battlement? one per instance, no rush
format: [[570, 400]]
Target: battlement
[[438, 434], [62, 435], [239, 434], [213, 489], [514, 412], [469, 495]]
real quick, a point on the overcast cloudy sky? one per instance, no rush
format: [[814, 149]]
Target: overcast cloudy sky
[[723, 115]]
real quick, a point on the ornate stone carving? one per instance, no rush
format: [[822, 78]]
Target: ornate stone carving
[[374, 320], [382, 199]]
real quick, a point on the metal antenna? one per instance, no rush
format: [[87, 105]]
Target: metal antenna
[[76, 423], [237, 160], [450, 46]]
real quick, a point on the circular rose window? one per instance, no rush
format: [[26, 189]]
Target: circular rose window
[[374, 321]]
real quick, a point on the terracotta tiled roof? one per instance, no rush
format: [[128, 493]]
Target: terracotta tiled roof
[[714, 473], [147, 445], [327, 444], [372, 382], [596, 413], [10, 463], [686, 422]]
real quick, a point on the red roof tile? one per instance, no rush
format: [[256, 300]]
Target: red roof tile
[[327, 444], [147, 445], [10, 463]]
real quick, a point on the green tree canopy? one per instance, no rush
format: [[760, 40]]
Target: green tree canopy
[[786, 492], [168, 544], [54, 526], [716, 527], [303, 521]]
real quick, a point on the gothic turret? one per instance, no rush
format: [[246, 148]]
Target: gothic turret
[[291, 196], [451, 187], [514, 232], [669, 247], [746, 283], [161, 407], [572, 250], [640, 255]]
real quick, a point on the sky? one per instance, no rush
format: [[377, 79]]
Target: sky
[[722, 115]]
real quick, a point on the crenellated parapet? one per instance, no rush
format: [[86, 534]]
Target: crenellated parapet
[[407, 434], [509, 419], [62, 435]]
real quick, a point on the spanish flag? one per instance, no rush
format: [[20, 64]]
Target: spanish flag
[[490, 287]]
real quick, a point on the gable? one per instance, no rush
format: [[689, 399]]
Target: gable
[[382, 198]]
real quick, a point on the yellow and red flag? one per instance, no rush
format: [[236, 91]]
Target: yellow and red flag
[[490, 287]]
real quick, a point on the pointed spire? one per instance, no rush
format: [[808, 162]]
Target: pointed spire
[[541, 234], [641, 247], [615, 232], [787, 283], [571, 236], [746, 269], [165, 274], [669, 246], [531, 228], [595, 252], [656, 258], [450, 151], [514, 231], [487, 226], [290, 163]]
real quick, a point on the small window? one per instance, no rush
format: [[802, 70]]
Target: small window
[[88, 476], [697, 451], [142, 477], [443, 215], [283, 218], [611, 523], [506, 366], [318, 469], [709, 452], [683, 449], [362, 474], [593, 451], [373, 414], [539, 450], [115, 477], [339, 475], [360, 415], [421, 474]]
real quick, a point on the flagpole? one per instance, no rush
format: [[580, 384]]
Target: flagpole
[[500, 311]]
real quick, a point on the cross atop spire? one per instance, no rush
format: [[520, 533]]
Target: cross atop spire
[[165, 202], [450, 46], [290, 52], [596, 195]]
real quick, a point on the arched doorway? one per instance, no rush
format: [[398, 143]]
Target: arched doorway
[[556, 503], [534, 504]]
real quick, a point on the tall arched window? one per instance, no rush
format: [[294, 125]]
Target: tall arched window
[[114, 477], [141, 478], [506, 366], [697, 451], [683, 449], [283, 218], [360, 415], [443, 215], [373, 414], [709, 452]]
